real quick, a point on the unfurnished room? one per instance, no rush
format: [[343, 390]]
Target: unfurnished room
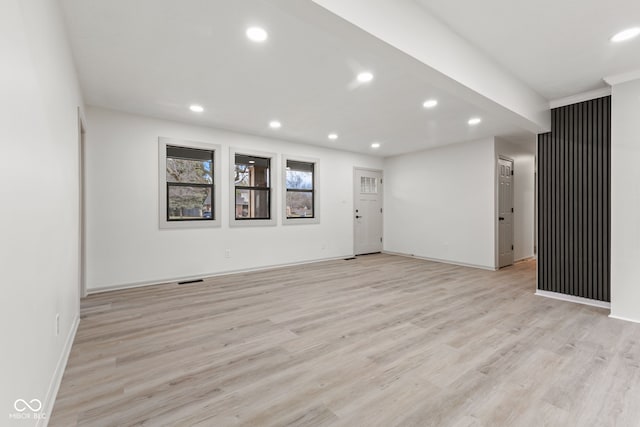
[[320, 213]]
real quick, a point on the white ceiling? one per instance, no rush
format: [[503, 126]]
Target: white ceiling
[[558, 47], [156, 57]]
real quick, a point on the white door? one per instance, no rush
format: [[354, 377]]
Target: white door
[[505, 212], [368, 211]]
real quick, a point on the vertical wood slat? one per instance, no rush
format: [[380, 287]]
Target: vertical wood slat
[[574, 201], [579, 190], [589, 207], [606, 175]]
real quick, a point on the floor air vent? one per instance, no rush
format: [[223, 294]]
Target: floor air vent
[[186, 282]]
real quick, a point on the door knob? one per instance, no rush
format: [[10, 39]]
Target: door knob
[[358, 216], [501, 218]]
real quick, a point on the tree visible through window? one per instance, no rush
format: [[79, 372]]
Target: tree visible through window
[[189, 184], [252, 178], [300, 189]]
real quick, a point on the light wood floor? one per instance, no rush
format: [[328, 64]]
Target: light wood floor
[[377, 341]]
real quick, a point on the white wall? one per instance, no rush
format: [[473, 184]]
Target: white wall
[[523, 156], [125, 245], [625, 201], [39, 218], [439, 203]]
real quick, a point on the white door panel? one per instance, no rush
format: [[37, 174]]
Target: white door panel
[[368, 211], [505, 212]]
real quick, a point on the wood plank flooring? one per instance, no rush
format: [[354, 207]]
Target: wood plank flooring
[[376, 341]]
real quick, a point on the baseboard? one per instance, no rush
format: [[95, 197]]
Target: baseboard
[[524, 259], [123, 286], [56, 380], [443, 261], [626, 319], [574, 299]]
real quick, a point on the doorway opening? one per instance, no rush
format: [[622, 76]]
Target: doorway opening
[[81, 207]]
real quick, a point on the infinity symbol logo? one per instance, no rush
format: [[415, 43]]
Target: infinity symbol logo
[[21, 405]]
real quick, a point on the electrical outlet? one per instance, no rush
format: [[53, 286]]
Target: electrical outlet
[[227, 253], [57, 326]]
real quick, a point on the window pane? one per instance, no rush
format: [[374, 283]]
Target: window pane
[[189, 202], [243, 159], [189, 171], [252, 204], [368, 185], [251, 171], [299, 204], [301, 180], [189, 153], [300, 166]]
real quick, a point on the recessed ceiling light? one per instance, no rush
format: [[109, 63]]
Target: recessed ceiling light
[[252, 161], [196, 108], [474, 121], [627, 34], [333, 136], [375, 145], [257, 34], [275, 124], [365, 77], [430, 103]]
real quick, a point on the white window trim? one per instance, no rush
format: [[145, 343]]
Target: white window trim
[[316, 191], [162, 184], [273, 186]]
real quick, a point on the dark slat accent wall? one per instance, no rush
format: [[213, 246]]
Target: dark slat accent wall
[[574, 201]]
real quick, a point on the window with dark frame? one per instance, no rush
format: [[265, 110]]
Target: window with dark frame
[[252, 178], [190, 186], [299, 184]]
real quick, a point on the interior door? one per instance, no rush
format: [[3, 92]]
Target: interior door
[[368, 211], [505, 212]]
